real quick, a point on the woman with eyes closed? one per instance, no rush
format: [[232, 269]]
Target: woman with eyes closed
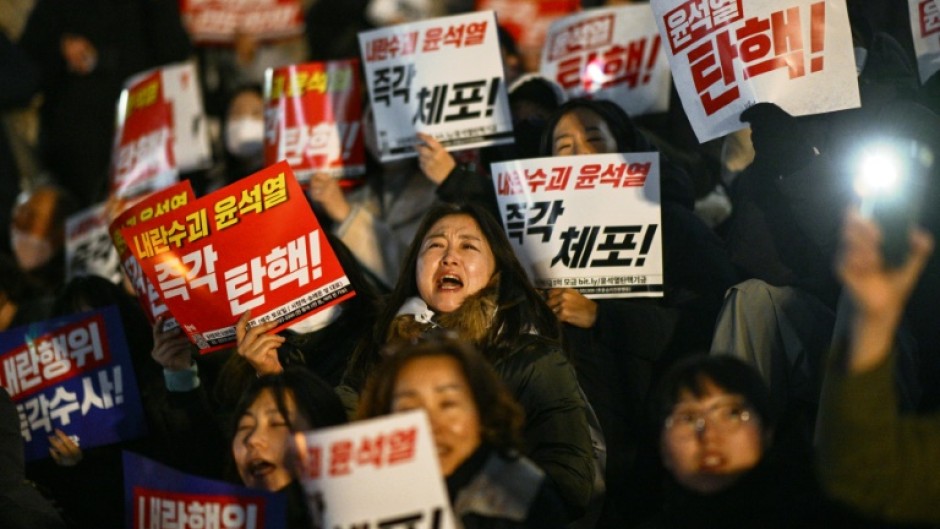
[[461, 275], [272, 409], [477, 431], [618, 345]]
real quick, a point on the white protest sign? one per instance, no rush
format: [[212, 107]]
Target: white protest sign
[[88, 247], [381, 472], [586, 222], [925, 27], [611, 53], [190, 129], [443, 77], [727, 55]]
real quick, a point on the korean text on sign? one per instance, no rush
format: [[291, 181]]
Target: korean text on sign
[[925, 28], [312, 118], [254, 245], [729, 54], [414, 87], [215, 21], [162, 510], [88, 248], [150, 207], [72, 374], [159, 497], [590, 223], [142, 160], [351, 473], [612, 53]]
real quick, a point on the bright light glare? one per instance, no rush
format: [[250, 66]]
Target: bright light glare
[[879, 174], [595, 72]]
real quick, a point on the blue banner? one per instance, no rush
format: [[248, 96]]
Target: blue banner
[[73, 373], [159, 497]]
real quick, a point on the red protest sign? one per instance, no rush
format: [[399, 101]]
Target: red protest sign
[[253, 245], [151, 207], [528, 22], [218, 21], [143, 148], [312, 115]]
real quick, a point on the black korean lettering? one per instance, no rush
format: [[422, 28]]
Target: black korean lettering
[[617, 239], [577, 246], [556, 207], [515, 220], [465, 96], [393, 82], [431, 105]]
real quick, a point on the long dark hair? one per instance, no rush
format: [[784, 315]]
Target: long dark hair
[[314, 399], [520, 308], [629, 139], [501, 418]]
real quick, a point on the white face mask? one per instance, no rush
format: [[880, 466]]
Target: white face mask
[[317, 321], [30, 250], [244, 137]]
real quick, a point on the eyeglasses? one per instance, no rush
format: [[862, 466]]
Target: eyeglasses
[[724, 416]]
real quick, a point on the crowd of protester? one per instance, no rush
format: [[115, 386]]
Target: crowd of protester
[[788, 377]]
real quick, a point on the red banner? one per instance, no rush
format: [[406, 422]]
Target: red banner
[[143, 153], [151, 207], [313, 117], [253, 245], [528, 22], [218, 21]]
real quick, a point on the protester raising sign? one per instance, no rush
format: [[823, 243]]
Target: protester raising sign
[[591, 223], [253, 245], [88, 248], [142, 160], [220, 21], [151, 207], [161, 130], [443, 77], [312, 117], [156, 496], [72, 373], [925, 27], [353, 474], [727, 55], [612, 53]]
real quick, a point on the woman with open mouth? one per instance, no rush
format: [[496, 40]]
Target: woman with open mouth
[[272, 409], [730, 463], [461, 275]]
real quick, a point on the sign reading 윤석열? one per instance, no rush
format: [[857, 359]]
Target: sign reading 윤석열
[[591, 223], [442, 77], [727, 55]]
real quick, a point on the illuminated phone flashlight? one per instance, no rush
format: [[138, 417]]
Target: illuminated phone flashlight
[[890, 182]]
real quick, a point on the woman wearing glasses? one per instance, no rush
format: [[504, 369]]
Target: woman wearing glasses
[[728, 463]]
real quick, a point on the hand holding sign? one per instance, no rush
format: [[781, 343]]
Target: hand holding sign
[[171, 348], [257, 346], [571, 307], [435, 162], [64, 450], [325, 190]]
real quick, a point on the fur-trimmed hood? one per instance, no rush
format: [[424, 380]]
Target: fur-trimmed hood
[[471, 321]]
